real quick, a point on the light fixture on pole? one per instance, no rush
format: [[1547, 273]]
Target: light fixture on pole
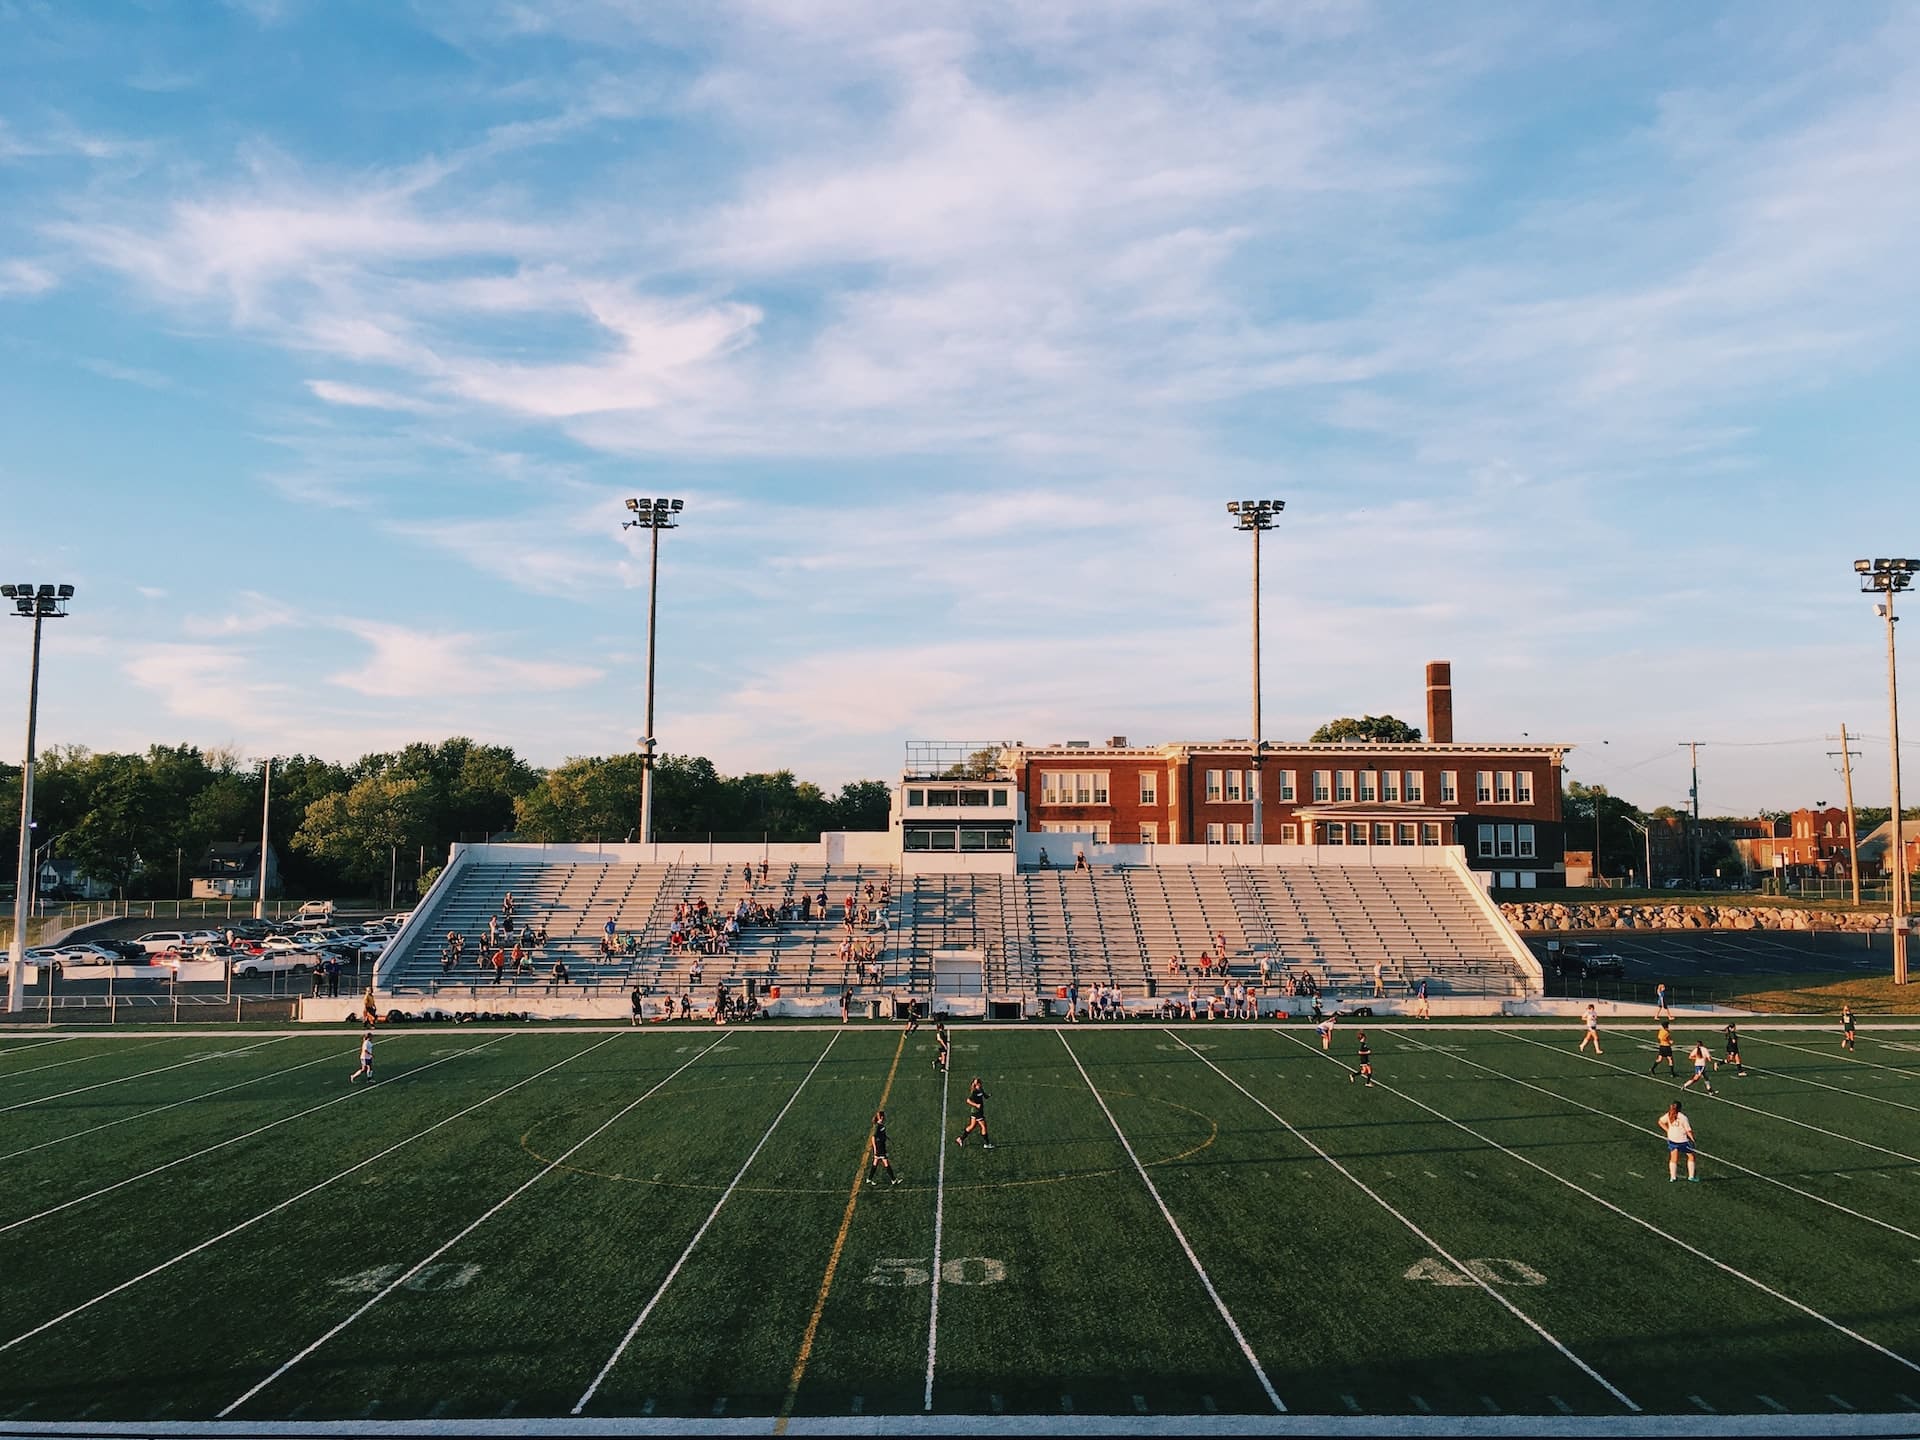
[[35, 603], [653, 515], [1256, 517], [1889, 578]]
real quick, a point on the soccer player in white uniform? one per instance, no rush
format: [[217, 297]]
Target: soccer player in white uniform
[[1325, 1028], [1679, 1132], [366, 1058], [1701, 1057], [1592, 1035]]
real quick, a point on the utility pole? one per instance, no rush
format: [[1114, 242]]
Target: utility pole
[[1692, 747], [1853, 832], [1889, 577], [1256, 517]]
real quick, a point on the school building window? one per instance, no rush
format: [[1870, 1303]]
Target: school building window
[[1503, 787], [1389, 784], [1234, 834], [1486, 841], [1150, 832], [1149, 789], [1449, 787], [1483, 786], [1216, 834], [1320, 792], [1286, 786], [1336, 832], [1523, 787], [1232, 779], [1213, 786], [1506, 842], [1289, 834], [1369, 784], [1415, 787], [1524, 838], [1405, 835], [1430, 832], [1073, 787], [1343, 785], [1382, 832]]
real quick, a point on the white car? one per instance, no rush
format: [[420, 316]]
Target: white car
[[156, 941], [321, 910], [275, 962], [77, 957]]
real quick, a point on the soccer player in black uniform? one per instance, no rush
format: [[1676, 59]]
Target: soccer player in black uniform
[[1846, 1027], [1733, 1049], [877, 1150], [976, 1116], [913, 1016], [943, 1046], [1365, 1055]]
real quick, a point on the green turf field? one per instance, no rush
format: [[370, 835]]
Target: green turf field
[[1174, 1221]]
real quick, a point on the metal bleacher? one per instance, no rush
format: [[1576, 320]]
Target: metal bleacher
[[572, 902]]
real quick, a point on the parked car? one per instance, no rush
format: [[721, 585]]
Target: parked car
[[79, 957], [321, 910], [275, 962], [155, 941], [1585, 960]]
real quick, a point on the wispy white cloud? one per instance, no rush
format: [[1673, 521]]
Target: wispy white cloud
[[26, 277], [413, 663]]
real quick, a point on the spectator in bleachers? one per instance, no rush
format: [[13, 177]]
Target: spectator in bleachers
[[499, 963], [559, 977], [506, 906]]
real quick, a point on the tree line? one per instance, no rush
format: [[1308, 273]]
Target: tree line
[[140, 822]]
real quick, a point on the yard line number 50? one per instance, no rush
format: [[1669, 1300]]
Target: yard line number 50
[[967, 1270], [1432, 1271]]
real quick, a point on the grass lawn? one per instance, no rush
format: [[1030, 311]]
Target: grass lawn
[[1174, 1221]]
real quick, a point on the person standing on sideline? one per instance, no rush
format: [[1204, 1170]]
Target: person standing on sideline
[[1679, 1132], [1700, 1056], [843, 1004], [1733, 1049], [1420, 994], [369, 1008], [1325, 1027], [365, 1072], [877, 1150], [639, 1005], [976, 1116], [1663, 1049], [1846, 1026], [1379, 982], [1592, 1033], [1660, 999]]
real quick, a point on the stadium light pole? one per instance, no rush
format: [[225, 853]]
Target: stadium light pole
[[1256, 517], [1889, 578], [266, 800], [652, 516], [35, 603]]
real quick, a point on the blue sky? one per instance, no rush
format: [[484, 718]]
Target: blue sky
[[1578, 340]]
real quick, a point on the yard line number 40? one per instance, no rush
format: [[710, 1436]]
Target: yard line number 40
[[967, 1270]]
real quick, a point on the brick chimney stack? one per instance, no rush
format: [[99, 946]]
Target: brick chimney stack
[[1440, 702]]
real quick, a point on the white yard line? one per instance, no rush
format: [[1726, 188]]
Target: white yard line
[[1174, 1225], [328, 1058], [232, 1230], [34, 1045], [1414, 1042], [939, 1219], [82, 1059], [123, 1079], [1647, 1225], [352, 1094], [712, 1215], [1736, 1104], [498, 1206], [1849, 1058], [1525, 1319]]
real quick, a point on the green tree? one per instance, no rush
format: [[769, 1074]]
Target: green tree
[[121, 831], [1620, 846], [588, 798], [862, 805], [356, 832], [1373, 729]]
